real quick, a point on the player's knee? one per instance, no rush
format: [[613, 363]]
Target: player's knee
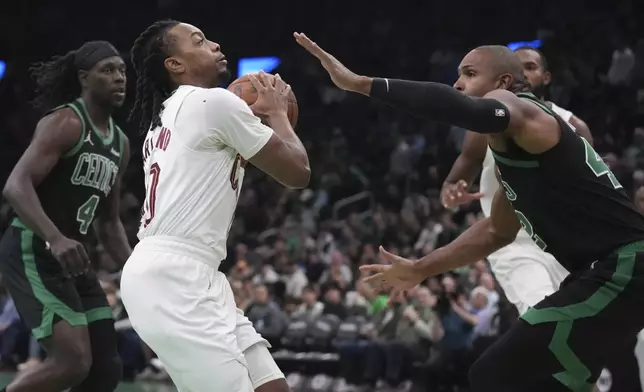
[[74, 369]]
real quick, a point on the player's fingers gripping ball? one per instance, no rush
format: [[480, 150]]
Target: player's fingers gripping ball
[[244, 89]]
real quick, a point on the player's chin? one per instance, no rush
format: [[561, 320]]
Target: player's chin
[[117, 102], [223, 75]]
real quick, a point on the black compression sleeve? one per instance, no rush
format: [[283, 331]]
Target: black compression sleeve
[[442, 103]]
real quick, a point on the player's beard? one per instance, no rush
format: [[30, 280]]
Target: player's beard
[[224, 76], [540, 90]]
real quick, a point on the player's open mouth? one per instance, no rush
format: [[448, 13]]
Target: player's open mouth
[[119, 93], [222, 61]]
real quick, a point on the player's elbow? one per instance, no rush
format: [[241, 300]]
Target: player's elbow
[[299, 177], [11, 190], [501, 234], [502, 238]]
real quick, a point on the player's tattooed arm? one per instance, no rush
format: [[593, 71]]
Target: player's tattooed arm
[[108, 225], [55, 135], [477, 242]]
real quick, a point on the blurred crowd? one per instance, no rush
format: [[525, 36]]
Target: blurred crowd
[[293, 256]]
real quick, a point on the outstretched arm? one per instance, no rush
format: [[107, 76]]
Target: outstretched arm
[[477, 242], [436, 101], [480, 240]]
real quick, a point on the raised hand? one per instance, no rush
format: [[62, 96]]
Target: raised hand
[[453, 195], [272, 98], [397, 277], [340, 75]]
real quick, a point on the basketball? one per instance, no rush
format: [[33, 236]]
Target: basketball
[[243, 88]]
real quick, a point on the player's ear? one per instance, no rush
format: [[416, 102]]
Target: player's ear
[[547, 78], [173, 65], [82, 78], [504, 82]]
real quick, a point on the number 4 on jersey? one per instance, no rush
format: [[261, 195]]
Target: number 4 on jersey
[[598, 166], [85, 213]]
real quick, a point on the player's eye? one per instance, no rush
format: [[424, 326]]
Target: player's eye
[[201, 42]]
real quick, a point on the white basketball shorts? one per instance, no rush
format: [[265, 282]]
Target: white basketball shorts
[[184, 309], [526, 273]]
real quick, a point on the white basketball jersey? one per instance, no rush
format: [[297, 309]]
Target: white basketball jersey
[[194, 165], [489, 183]]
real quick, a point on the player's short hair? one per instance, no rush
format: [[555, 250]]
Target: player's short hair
[[57, 79], [153, 85], [505, 61], [542, 57]]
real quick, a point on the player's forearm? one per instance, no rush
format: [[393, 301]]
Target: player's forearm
[[474, 244], [438, 102], [465, 169], [23, 198], [111, 234], [282, 127]]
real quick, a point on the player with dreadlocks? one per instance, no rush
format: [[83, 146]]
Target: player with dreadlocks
[[198, 141], [68, 179]]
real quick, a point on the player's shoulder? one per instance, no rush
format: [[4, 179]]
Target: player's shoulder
[[61, 119], [61, 128], [501, 95], [215, 95], [519, 104], [560, 111]]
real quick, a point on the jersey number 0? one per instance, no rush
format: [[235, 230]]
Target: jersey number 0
[[150, 203]]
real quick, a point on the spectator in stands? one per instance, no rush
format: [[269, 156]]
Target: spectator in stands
[[634, 154], [365, 300], [291, 305], [338, 273], [310, 308], [268, 274], [639, 199], [295, 280], [426, 241], [12, 331], [404, 336], [455, 346], [314, 268], [242, 297], [333, 303], [268, 319], [488, 284], [241, 270], [622, 63]]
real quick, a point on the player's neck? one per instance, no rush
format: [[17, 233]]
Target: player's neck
[[191, 80], [99, 114]]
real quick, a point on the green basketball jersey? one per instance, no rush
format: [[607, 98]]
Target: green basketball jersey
[[567, 199], [73, 192]]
